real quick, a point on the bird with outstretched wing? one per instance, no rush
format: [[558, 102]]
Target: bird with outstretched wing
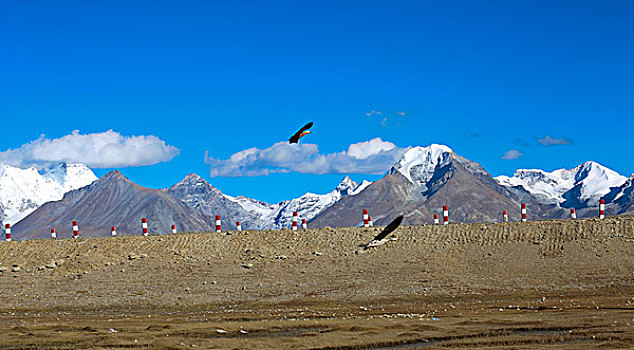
[[301, 133], [380, 238]]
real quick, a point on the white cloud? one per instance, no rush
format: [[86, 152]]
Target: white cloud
[[550, 141], [366, 149], [370, 157], [97, 150], [512, 154]]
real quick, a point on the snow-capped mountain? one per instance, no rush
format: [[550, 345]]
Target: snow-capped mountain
[[424, 166], [253, 214], [307, 206], [24, 190], [624, 191], [418, 185], [263, 211], [425, 179], [580, 187], [621, 199], [419, 163]]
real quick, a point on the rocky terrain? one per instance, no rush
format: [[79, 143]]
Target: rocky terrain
[[556, 284]]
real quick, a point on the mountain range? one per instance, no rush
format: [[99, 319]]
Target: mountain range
[[418, 185], [22, 191], [423, 181], [116, 201], [253, 214], [427, 178], [579, 187], [307, 206]]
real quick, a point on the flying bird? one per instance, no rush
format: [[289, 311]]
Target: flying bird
[[380, 238], [301, 133]]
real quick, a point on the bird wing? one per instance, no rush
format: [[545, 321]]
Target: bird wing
[[305, 127], [297, 135], [389, 228]]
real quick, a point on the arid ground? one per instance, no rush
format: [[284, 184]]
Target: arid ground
[[548, 285]]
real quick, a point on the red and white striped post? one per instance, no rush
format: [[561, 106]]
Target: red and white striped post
[[144, 226], [218, 224], [370, 221], [173, 228], [239, 226], [304, 225], [505, 216], [113, 231], [445, 215], [366, 218], [7, 232], [602, 209], [294, 221], [523, 212], [436, 221], [573, 213], [75, 229], [53, 233]]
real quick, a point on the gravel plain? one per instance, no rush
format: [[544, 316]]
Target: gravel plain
[[559, 284]]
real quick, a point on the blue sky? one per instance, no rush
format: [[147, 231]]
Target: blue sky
[[484, 78]]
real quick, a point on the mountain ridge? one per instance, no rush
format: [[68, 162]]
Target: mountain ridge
[[113, 200], [22, 191], [422, 182], [418, 185], [580, 187]]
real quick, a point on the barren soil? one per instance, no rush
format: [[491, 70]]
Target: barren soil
[[549, 285]]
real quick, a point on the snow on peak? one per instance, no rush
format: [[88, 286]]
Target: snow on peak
[[361, 187], [310, 205], [191, 179], [592, 181], [624, 188], [69, 176], [307, 206], [24, 190], [596, 180], [419, 163], [546, 187], [346, 186]]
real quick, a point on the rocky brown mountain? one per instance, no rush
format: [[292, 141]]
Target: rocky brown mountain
[[116, 201], [425, 179]]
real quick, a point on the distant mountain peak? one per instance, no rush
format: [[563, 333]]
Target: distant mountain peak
[[419, 163], [347, 180], [599, 171], [193, 180], [346, 185], [308, 205], [191, 177], [114, 175], [578, 187], [195, 183], [24, 190]]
